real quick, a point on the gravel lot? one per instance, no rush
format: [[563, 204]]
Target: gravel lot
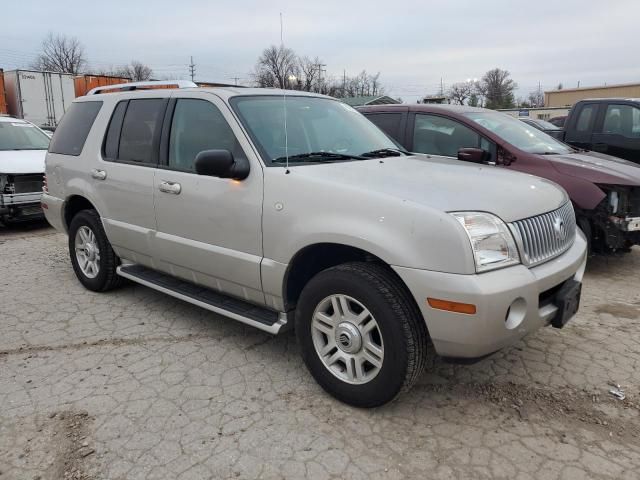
[[136, 385]]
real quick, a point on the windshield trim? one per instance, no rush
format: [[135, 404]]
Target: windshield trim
[[264, 156]]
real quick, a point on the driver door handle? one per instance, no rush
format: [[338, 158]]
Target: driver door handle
[[98, 174], [170, 187]]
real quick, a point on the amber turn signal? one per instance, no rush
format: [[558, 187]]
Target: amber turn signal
[[450, 306]]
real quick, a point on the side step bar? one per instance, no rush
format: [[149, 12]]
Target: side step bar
[[245, 312]]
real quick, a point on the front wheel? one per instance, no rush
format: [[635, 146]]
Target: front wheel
[[361, 335], [94, 261]]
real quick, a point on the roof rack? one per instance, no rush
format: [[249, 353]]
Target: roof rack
[[142, 86]]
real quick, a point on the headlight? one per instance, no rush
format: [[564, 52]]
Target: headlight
[[491, 241]]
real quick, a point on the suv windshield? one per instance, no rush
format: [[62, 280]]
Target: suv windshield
[[318, 129], [519, 134], [21, 136]]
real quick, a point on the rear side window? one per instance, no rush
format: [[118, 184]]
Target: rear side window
[[389, 123], [585, 119], [74, 128], [112, 140], [141, 130]]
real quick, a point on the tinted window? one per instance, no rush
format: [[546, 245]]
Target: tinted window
[[112, 139], [585, 119], [198, 125], [74, 128], [141, 124], [622, 120], [388, 123], [441, 136]]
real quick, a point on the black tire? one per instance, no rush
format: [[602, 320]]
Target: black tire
[[107, 278], [401, 326]]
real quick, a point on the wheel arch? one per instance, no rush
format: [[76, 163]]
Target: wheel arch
[[73, 205], [313, 259]]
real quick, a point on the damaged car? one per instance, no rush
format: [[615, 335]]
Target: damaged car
[[23, 147], [604, 190]]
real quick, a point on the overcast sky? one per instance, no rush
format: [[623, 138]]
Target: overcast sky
[[412, 43]]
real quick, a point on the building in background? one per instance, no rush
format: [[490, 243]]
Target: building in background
[[434, 99], [369, 100], [568, 96]]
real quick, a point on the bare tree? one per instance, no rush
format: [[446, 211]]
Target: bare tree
[[277, 67], [62, 54], [499, 89], [536, 98], [459, 92], [310, 74], [136, 71]]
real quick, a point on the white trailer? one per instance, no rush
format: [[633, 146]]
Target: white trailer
[[38, 97]]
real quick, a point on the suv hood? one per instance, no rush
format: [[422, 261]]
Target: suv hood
[[444, 184], [597, 168], [22, 161]]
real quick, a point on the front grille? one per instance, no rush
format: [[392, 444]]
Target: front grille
[[545, 236], [27, 183]]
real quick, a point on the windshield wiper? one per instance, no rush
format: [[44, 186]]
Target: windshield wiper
[[385, 152], [318, 157]]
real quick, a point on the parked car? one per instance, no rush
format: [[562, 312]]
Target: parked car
[[23, 148], [558, 121], [605, 191], [546, 127], [606, 125], [274, 210]]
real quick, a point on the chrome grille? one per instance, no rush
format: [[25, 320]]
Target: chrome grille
[[545, 236]]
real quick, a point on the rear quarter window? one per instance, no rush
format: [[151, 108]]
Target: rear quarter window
[[71, 134]]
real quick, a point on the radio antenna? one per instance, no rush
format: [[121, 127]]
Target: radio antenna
[[284, 99]]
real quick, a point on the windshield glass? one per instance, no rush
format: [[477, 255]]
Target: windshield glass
[[314, 125], [22, 136], [519, 134]]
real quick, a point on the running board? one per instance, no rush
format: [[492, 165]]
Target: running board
[[245, 312]]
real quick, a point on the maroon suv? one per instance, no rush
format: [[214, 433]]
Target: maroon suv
[[605, 190]]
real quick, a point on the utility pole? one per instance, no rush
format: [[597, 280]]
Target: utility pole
[[441, 87], [192, 69], [538, 96], [344, 82], [236, 80], [320, 70]]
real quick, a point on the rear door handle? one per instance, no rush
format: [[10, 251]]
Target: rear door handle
[[170, 187], [98, 174]]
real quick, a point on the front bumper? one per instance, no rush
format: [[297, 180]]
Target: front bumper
[[510, 303], [20, 204]]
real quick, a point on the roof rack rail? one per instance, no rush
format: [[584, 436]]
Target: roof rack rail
[[143, 85]]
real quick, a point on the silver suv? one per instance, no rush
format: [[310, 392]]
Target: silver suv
[[276, 209]]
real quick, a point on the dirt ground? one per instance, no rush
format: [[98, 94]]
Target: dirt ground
[[133, 384]]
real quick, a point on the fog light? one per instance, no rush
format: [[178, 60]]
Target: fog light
[[515, 313]]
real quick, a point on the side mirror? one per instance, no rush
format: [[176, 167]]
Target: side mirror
[[475, 155], [220, 163]]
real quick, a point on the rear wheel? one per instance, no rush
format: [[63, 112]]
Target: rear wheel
[[361, 335], [94, 261]]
